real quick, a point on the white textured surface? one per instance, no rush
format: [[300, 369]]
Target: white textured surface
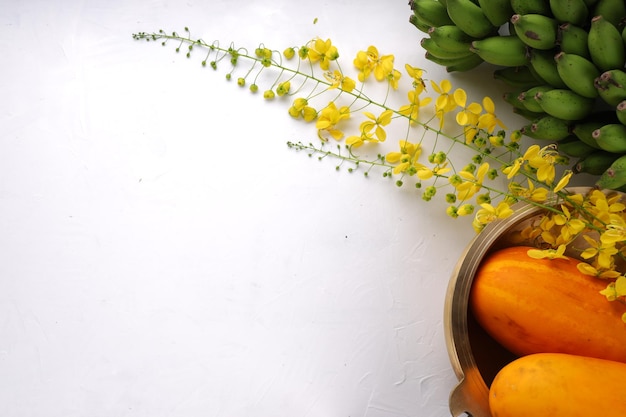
[[165, 254]]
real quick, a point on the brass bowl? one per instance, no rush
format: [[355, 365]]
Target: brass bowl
[[475, 357]]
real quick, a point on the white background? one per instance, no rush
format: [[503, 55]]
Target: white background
[[164, 253]]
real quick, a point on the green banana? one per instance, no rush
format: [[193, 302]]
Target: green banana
[[532, 69], [436, 50], [595, 163], [611, 86], [527, 114], [611, 137], [511, 97], [419, 24], [536, 30], [508, 51], [544, 66], [573, 11], [575, 148], [470, 18], [614, 76], [465, 64], [431, 12], [614, 176], [573, 40], [583, 129], [612, 10], [527, 98], [620, 112], [460, 64], [590, 3], [565, 104], [547, 128], [518, 77], [578, 73], [451, 38], [606, 45], [497, 11], [531, 6]]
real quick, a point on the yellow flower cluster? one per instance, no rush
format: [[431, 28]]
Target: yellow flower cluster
[[482, 130], [323, 52], [370, 61], [371, 130], [328, 119], [593, 226]]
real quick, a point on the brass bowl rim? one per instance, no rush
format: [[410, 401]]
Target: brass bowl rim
[[471, 395]]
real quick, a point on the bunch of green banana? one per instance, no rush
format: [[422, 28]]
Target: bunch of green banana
[[564, 60]]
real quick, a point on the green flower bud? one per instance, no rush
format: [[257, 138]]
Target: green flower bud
[[465, 210], [470, 168], [293, 112], [303, 52], [480, 141], [430, 191], [455, 180], [283, 88], [289, 53], [440, 157], [483, 198], [452, 212]]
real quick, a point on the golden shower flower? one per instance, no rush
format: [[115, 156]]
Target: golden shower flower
[[337, 80], [369, 61], [488, 214], [488, 120], [376, 124], [412, 110], [445, 102], [323, 52], [328, 118], [416, 74], [557, 253]]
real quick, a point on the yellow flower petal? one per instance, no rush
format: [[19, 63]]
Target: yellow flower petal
[[460, 96]]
